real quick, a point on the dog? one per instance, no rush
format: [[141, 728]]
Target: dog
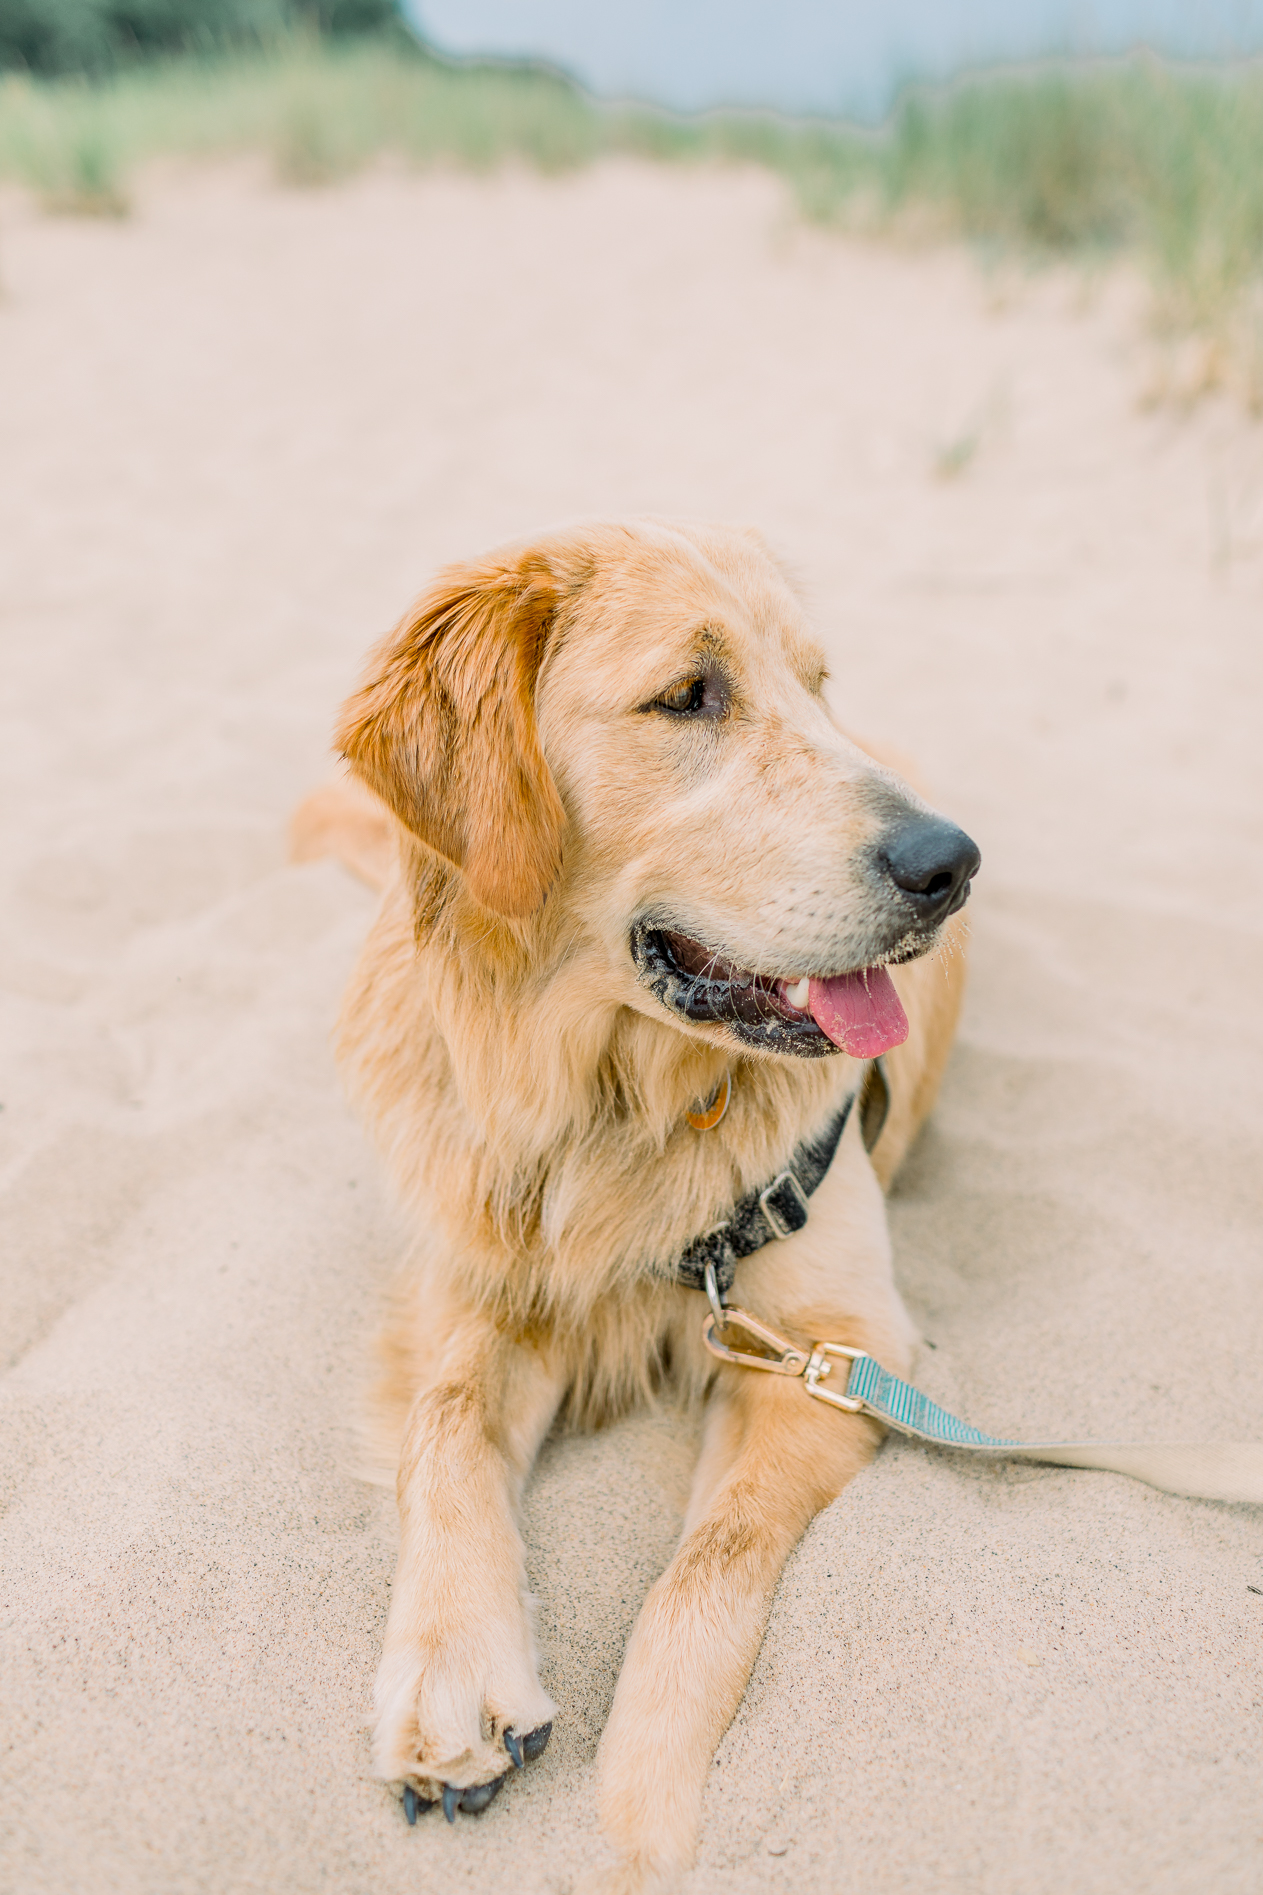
[[655, 935]]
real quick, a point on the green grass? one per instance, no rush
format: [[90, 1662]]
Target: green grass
[[320, 108], [1165, 163]]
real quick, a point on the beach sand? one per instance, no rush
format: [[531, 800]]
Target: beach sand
[[238, 433]]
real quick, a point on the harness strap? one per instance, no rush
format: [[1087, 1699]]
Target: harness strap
[[765, 1216], [780, 1208]]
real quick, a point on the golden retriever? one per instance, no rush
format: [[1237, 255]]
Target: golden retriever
[[649, 918]]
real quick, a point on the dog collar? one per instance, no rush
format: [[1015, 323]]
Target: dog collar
[[779, 1208]]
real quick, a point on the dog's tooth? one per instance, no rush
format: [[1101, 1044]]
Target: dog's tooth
[[451, 1800], [799, 994]]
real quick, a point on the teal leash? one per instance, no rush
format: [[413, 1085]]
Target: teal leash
[[852, 1380]]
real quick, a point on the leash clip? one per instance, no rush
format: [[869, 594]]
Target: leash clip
[[784, 1357]]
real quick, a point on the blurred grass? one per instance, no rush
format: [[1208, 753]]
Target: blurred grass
[[320, 108], [1160, 161]]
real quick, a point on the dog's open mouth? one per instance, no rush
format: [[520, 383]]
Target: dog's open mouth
[[812, 1015]]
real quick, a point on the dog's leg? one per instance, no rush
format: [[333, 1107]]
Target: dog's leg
[[457, 1698], [771, 1459]]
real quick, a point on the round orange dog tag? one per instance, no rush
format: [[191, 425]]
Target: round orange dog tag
[[702, 1117]]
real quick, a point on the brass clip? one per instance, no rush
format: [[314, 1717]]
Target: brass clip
[[786, 1358]]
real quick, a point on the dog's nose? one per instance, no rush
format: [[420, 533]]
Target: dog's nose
[[931, 863]]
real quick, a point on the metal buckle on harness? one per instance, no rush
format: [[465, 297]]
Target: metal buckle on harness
[[784, 1204]]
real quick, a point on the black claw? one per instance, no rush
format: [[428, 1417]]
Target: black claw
[[451, 1801], [410, 1804], [535, 1742], [513, 1744], [478, 1795]]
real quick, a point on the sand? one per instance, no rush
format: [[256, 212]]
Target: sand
[[238, 432]]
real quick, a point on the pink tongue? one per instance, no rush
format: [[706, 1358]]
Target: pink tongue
[[861, 1012]]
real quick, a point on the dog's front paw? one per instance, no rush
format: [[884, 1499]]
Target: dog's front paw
[[522, 1748], [454, 1720]]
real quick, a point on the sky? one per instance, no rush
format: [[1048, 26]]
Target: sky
[[826, 56]]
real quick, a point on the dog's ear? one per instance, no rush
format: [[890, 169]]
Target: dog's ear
[[444, 729]]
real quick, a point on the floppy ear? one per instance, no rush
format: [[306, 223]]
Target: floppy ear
[[444, 729]]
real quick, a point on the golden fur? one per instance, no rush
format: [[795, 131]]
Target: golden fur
[[529, 1094]]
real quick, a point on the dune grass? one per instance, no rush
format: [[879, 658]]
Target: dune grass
[[1161, 161], [320, 108]]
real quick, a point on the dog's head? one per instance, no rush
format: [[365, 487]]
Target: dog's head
[[626, 722]]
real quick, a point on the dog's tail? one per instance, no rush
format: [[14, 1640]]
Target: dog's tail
[[346, 821]]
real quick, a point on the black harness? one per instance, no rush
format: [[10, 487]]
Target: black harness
[[780, 1208]]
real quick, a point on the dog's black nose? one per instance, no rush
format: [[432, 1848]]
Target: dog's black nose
[[931, 862]]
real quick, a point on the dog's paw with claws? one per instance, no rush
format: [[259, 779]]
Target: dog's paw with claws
[[458, 1714], [522, 1748]]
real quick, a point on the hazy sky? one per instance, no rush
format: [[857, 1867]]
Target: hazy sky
[[816, 55]]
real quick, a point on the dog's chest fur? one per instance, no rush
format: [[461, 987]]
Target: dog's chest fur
[[540, 1136]]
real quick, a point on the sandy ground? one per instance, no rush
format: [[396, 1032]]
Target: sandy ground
[[237, 433]]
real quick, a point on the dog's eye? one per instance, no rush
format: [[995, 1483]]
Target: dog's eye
[[683, 699], [706, 696]]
